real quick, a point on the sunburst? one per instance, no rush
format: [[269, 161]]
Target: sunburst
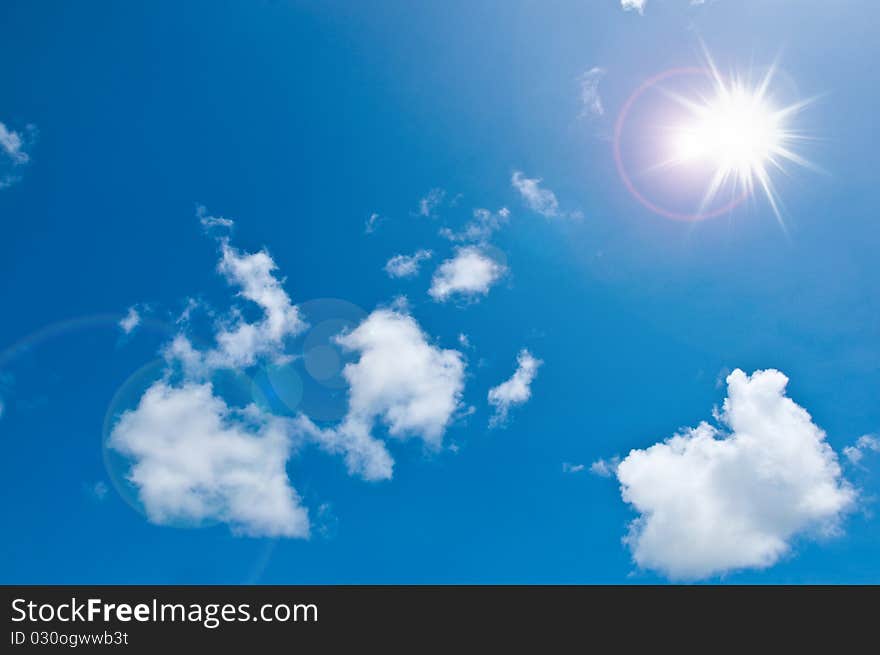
[[740, 133]]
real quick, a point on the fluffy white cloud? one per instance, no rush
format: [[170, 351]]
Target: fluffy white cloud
[[469, 274], [240, 343], [196, 459], [130, 321], [715, 500], [430, 202], [413, 387], [406, 265], [480, 228], [633, 5], [516, 390], [865, 443], [13, 153], [592, 101]]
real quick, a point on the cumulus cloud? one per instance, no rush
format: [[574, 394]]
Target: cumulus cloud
[[478, 230], [401, 380], [516, 390], [431, 202], [590, 98], [538, 199], [130, 321], [713, 500], [469, 274], [13, 153], [196, 460], [865, 444], [406, 265]]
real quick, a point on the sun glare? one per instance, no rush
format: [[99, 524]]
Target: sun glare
[[738, 132]]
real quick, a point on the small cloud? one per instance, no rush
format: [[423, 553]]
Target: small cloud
[[867, 443], [99, 490], [480, 228], [372, 223], [605, 468], [633, 5], [516, 390], [463, 340], [13, 153], [572, 468], [431, 202], [540, 200], [469, 274], [209, 221], [590, 98], [130, 321], [406, 265]]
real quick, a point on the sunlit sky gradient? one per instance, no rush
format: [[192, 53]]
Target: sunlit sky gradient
[[300, 122]]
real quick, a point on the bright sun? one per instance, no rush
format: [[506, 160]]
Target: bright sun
[[739, 133]]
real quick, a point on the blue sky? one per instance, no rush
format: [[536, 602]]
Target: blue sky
[[299, 122]]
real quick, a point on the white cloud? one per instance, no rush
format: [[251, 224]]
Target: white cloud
[[372, 223], [469, 274], [130, 321], [715, 500], [406, 265], [605, 468], [13, 153], [592, 101], [240, 343], [400, 379], [195, 459], [865, 443], [209, 221], [480, 228], [100, 490], [572, 468], [516, 390], [540, 200], [633, 5], [430, 202]]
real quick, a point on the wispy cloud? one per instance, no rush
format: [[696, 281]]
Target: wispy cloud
[[431, 202], [478, 230], [867, 443], [13, 153], [590, 98], [130, 321], [208, 221], [372, 223], [572, 468], [406, 265], [539, 199], [515, 391]]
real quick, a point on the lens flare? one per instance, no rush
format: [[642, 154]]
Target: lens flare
[[739, 133]]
